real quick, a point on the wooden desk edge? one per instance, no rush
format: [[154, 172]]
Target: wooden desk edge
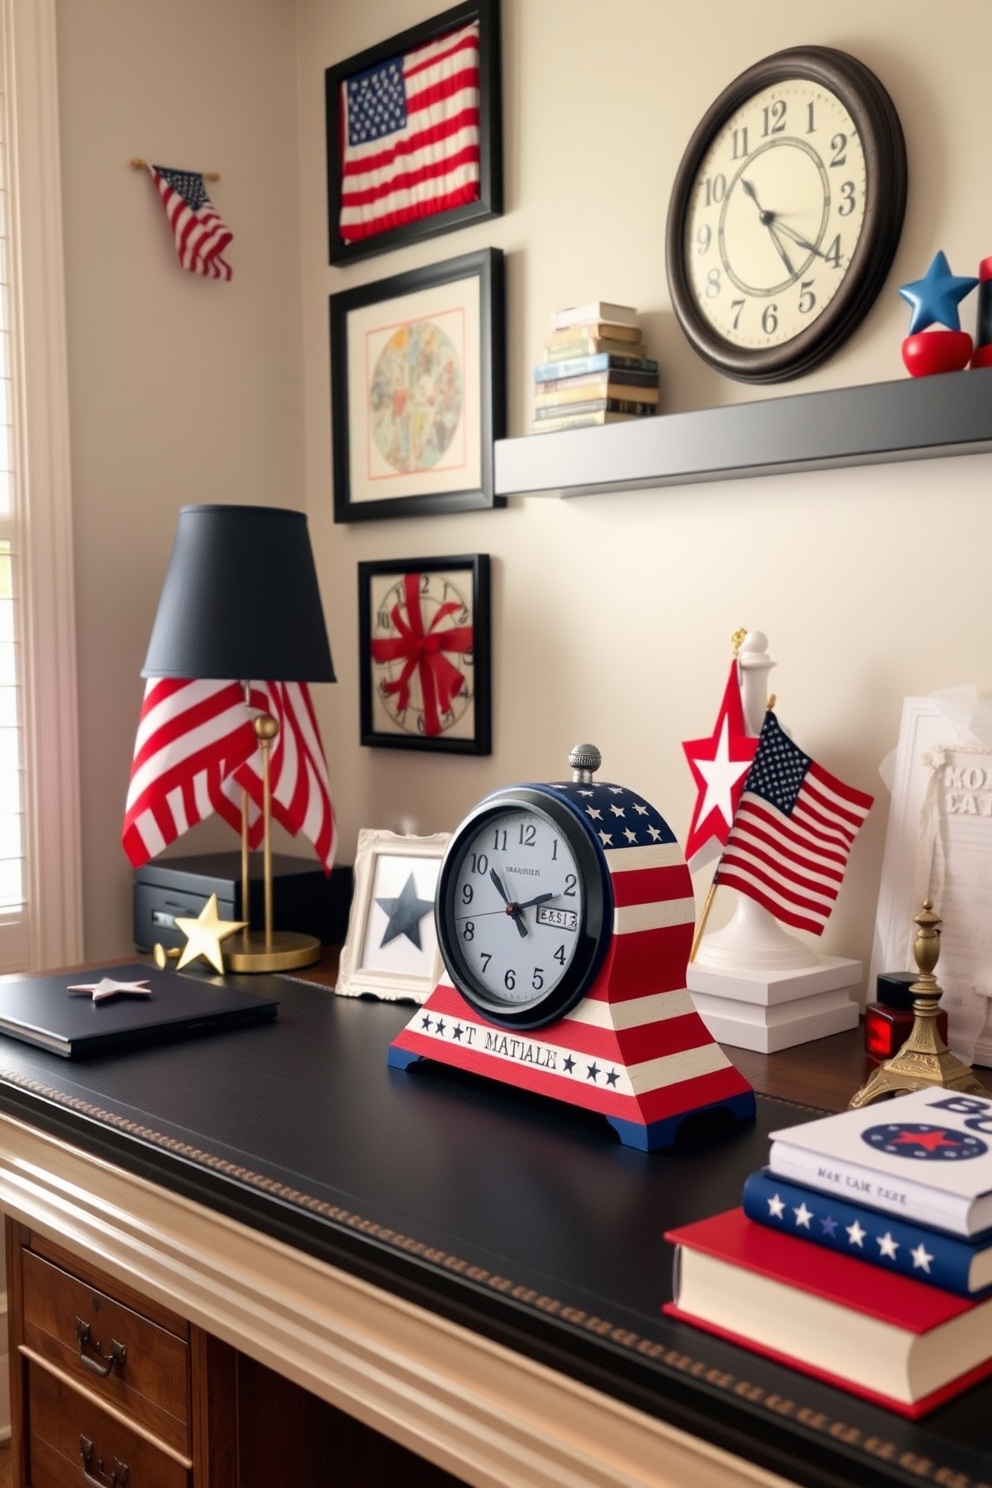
[[471, 1406]]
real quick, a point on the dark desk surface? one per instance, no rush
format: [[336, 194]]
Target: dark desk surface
[[511, 1214]]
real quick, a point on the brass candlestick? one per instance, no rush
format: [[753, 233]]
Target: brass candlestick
[[924, 1059]]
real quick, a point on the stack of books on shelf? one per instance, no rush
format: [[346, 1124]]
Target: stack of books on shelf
[[862, 1254], [597, 370]]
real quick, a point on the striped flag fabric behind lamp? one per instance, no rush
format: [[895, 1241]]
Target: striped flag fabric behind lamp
[[241, 600]]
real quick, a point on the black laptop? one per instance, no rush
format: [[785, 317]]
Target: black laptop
[[42, 1010]]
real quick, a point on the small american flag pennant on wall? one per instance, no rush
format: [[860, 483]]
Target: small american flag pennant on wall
[[200, 235]]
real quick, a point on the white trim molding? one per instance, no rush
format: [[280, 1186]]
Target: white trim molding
[[479, 1410], [44, 507]]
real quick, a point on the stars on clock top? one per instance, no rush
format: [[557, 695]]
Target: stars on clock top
[[619, 817]]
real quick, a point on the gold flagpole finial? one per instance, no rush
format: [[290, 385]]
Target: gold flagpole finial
[[737, 639], [770, 703]]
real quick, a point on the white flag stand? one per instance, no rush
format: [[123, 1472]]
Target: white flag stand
[[754, 985]]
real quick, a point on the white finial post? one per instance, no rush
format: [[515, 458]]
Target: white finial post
[[754, 664]]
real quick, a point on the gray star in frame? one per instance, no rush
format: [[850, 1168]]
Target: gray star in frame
[[405, 913]]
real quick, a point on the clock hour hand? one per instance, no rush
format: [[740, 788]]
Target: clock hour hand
[[511, 909], [539, 899], [767, 218]]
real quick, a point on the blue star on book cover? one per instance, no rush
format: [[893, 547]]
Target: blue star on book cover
[[618, 817], [376, 102]]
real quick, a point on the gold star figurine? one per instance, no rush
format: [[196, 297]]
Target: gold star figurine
[[107, 987], [204, 935]]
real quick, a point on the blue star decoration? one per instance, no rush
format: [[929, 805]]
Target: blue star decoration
[[405, 914], [935, 298]]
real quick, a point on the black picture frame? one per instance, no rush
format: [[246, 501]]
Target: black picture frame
[[490, 199], [426, 490], [383, 586]]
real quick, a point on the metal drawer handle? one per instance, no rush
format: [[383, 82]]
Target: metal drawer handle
[[103, 1363], [100, 1477]]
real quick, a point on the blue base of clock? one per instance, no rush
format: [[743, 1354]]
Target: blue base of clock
[[657, 1134], [646, 1138], [401, 1059]]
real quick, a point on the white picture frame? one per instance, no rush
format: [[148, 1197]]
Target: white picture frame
[[404, 965]]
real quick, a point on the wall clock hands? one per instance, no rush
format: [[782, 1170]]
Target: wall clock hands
[[790, 232]]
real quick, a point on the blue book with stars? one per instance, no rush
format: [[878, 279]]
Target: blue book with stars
[[960, 1266]]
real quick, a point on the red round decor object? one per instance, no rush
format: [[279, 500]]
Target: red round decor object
[[929, 352], [982, 357]]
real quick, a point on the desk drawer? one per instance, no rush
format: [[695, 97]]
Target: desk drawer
[[149, 1380], [63, 1424]]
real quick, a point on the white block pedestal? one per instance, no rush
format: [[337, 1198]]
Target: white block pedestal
[[767, 1010]]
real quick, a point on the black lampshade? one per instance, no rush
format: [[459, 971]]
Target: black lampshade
[[240, 599]]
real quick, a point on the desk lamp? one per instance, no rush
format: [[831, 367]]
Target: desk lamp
[[240, 600]]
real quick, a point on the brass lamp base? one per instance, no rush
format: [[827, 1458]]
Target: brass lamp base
[[287, 951], [924, 1061]]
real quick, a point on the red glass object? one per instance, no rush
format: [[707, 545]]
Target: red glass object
[[888, 1028], [930, 352]]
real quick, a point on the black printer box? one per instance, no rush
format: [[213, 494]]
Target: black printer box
[[302, 898]]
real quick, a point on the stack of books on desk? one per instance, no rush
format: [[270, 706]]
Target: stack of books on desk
[[597, 370], [862, 1254]]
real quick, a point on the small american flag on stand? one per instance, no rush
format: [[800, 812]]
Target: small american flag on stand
[[410, 136], [792, 833], [201, 236]]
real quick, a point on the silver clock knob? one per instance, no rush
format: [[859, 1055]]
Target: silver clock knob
[[584, 759]]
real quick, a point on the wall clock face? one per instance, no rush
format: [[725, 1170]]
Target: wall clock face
[[522, 909], [786, 213]]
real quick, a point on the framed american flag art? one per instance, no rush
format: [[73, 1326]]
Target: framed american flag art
[[417, 390], [414, 134], [424, 654]]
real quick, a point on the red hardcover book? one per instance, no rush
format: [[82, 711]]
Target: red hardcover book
[[894, 1341]]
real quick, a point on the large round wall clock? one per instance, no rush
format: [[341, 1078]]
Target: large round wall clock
[[565, 915], [786, 213]]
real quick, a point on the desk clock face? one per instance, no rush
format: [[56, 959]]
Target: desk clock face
[[521, 909]]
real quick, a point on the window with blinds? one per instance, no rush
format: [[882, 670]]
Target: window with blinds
[[13, 929]]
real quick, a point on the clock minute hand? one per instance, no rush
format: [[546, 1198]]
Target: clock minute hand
[[790, 232], [511, 909]]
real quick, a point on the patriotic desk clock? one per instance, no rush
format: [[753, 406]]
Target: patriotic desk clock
[[565, 916]]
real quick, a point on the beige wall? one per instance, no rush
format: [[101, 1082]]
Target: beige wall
[[182, 389], [611, 613]]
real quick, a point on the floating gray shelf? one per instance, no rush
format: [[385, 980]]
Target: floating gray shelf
[[913, 419]]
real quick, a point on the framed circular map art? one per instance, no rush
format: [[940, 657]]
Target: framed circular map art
[[417, 390], [424, 654]]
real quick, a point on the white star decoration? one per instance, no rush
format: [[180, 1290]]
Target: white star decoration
[[593, 813], [803, 1216], [776, 1206], [887, 1246], [921, 1258], [606, 839], [654, 833], [856, 1234], [721, 775], [107, 987], [616, 790], [630, 836], [618, 811], [641, 810]]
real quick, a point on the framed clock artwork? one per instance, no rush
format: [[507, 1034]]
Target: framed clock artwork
[[424, 654], [786, 214]]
